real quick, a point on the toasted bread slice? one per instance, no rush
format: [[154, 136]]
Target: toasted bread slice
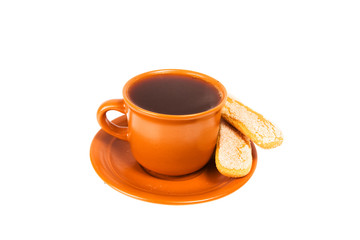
[[233, 152], [252, 124]]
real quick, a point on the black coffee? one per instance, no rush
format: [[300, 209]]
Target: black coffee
[[174, 95]]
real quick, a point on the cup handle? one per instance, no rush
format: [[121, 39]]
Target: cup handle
[[109, 127]]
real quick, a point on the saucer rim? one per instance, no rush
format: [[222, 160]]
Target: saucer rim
[[133, 191]]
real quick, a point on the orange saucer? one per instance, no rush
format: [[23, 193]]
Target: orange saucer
[[114, 163]]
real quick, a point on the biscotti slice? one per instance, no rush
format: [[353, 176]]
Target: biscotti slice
[[233, 152], [252, 124]]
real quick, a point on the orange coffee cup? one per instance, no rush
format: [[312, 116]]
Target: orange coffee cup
[[171, 145]]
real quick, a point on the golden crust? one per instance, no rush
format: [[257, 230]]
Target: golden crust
[[233, 152], [252, 124]]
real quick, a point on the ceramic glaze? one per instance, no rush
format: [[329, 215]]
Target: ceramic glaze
[[117, 167], [171, 145]]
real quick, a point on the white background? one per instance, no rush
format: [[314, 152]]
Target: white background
[[296, 62]]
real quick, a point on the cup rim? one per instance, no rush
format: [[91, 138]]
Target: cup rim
[[183, 72]]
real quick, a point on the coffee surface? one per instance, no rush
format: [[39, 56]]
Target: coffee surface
[[174, 95]]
